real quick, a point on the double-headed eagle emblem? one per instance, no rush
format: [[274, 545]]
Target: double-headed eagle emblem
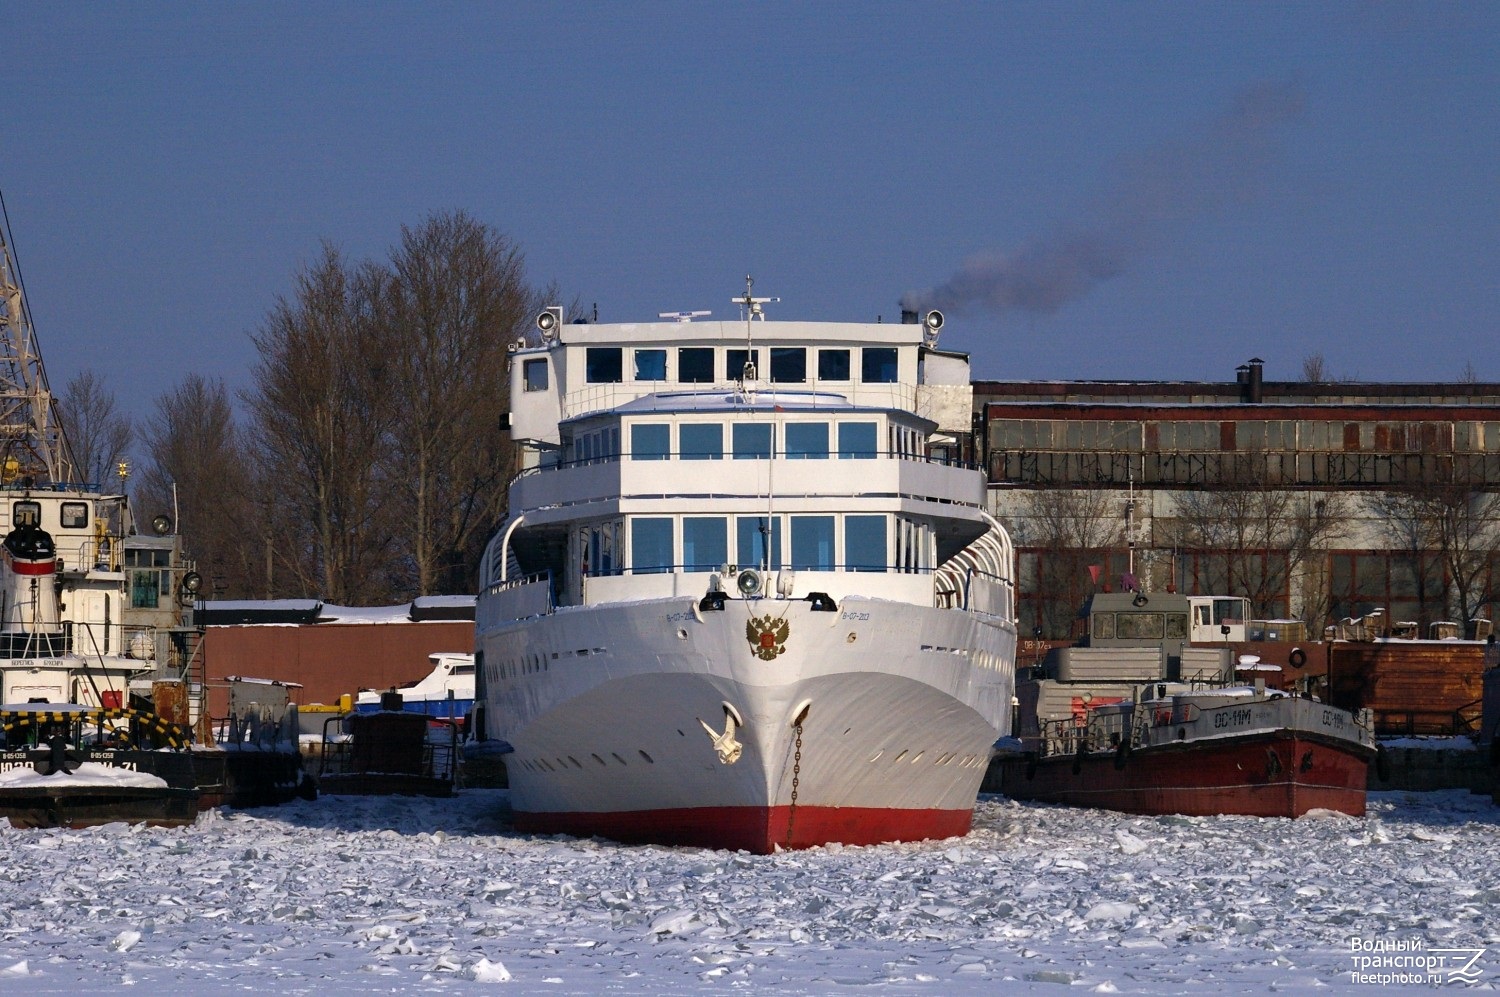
[[767, 636]]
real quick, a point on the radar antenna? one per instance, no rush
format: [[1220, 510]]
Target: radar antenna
[[751, 305], [683, 316], [30, 431]]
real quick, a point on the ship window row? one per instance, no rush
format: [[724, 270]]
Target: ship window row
[[663, 544], [844, 440], [708, 365]]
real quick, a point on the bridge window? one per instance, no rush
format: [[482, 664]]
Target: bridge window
[[857, 440], [650, 365], [752, 441], [878, 365], [734, 363], [603, 365], [705, 542], [651, 545], [702, 441], [26, 514], [75, 514], [536, 374], [807, 440], [650, 441], [812, 543], [833, 365], [695, 365], [750, 541], [864, 543], [788, 364]]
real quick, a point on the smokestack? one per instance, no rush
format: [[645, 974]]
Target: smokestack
[[1242, 378], [1256, 363], [908, 316]]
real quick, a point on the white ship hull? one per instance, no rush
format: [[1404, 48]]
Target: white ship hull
[[606, 706]]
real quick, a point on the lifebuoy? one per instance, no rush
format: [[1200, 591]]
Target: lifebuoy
[[1297, 658]]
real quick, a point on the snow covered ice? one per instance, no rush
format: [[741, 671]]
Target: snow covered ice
[[407, 894]]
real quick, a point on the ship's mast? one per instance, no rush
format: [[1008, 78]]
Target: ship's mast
[[31, 434]]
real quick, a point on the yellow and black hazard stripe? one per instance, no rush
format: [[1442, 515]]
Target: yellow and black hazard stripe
[[173, 735]]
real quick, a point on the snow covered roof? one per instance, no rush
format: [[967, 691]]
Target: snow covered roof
[[293, 612]]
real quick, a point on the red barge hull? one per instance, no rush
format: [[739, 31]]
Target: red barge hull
[[1281, 774]]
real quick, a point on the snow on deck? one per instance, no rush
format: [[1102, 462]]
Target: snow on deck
[[401, 894], [89, 775]]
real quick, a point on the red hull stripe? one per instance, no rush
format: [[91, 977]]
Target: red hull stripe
[[754, 829], [34, 567]]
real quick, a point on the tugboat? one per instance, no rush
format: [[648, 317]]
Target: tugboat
[[1141, 722], [749, 596]]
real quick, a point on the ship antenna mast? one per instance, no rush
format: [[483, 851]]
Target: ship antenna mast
[[28, 415], [751, 308]]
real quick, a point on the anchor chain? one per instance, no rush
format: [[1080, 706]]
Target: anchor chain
[[791, 815]]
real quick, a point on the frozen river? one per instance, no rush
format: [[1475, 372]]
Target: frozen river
[[391, 895]]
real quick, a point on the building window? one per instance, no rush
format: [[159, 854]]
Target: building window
[[650, 365], [864, 543], [752, 441], [857, 440], [705, 543], [702, 441], [650, 441], [807, 440], [695, 365], [651, 545], [812, 543], [833, 365], [788, 364], [603, 365], [878, 365], [750, 541], [535, 374]]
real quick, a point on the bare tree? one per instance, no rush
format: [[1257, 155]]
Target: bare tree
[[1450, 526], [197, 472], [1315, 369], [323, 410], [457, 296], [1073, 529], [1259, 539], [98, 433]]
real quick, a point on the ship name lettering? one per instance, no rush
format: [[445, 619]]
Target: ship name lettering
[[1333, 718], [1231, 718]]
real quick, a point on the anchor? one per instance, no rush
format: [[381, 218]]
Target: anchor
[[727, 747]]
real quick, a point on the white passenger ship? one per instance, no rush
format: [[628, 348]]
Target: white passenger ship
[[748, 596]]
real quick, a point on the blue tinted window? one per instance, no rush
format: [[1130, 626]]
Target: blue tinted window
[[650, 365], [864, 543], [788, 364], [750, 535], [878, 365], [702, 441], [651, 545], [833, 365], [807, 440], [705, 543], [650, 441], [857, 440], [812, 543], [752, 441], [603, 365]]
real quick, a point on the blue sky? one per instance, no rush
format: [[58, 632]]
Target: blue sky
[[1174, 187]]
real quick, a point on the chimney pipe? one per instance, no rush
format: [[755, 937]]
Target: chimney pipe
[[1256, 392], [1242, 378]]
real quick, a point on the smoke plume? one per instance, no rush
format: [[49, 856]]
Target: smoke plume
[[1153, 196]]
